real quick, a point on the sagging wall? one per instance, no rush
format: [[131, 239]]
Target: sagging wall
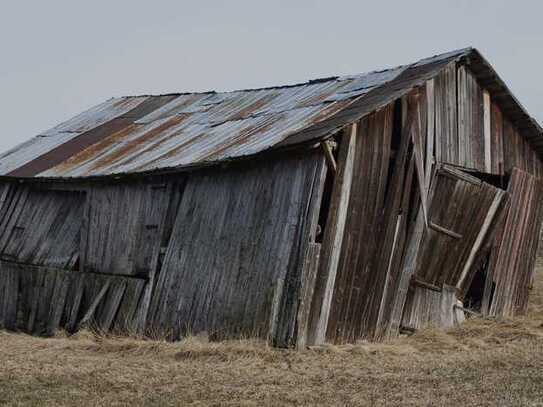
[[219, 250], [419, 227]]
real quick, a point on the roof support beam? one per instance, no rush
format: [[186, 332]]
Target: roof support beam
[[328, 147]]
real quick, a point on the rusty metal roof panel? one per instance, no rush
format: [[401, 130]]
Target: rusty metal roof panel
[[31, 149], [187, 103], [66, 131], [184, 139], [170, 132], [97, 115], [201, 128]]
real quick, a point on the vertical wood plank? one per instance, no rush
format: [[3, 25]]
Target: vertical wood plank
[[487, 131], [430, 134], [333, 238]]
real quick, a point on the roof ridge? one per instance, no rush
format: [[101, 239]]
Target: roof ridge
[[307, 82]]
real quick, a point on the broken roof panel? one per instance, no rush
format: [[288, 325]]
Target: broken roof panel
[[171, 132]]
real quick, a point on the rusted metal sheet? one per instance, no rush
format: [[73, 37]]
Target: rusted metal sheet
[[59, 135], [214, 127], [88, 138]]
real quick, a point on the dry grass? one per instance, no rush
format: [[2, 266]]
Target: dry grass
[[482, 363]]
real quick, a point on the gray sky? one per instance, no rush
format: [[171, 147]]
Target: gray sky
[[61, 57]]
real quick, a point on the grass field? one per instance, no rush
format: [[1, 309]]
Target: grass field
[[482, 363]]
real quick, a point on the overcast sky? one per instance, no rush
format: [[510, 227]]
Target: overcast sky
[[61, 57]]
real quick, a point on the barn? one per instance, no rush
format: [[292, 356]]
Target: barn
[[340, 209]]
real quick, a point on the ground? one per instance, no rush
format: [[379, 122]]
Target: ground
[[482, 363]]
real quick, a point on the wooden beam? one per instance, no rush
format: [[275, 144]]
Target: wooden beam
[[492, 211], [328, 153], [309, 273], [450, 171], [408, 268], [423, 284], [333, 239], [445, 231], [430, 134], [90, 312], [467, 310], [487, 131], [277, 292], [415, 131]]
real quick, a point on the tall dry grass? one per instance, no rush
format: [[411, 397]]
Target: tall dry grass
[[481, 363]]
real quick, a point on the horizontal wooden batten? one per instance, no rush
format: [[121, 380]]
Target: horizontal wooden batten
[[445, 231]]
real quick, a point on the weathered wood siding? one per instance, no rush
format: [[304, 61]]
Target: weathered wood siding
[[458, 212], [518, 152], [471, 138], [40, 227], [40, 300], [513, 256], [471, 131], [387, 192], [226, 251], [432, 308], [236, 234], [124, 227], [371, 167], [333, 238]]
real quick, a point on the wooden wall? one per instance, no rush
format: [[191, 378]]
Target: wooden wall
[[390, 173], [514, 252], [219, 250], [124, 225], [411, 233], [367, 196], [40, 227], [472, 132], [235, 239]]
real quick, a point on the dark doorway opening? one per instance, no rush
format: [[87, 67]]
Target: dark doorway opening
[[475, 295]]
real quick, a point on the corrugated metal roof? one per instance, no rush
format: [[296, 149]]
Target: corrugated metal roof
[[50, 139], [149, 133]]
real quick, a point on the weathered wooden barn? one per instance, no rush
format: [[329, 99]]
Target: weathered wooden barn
[[330, 211]]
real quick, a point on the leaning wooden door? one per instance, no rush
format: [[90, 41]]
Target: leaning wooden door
[[462, 217]]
